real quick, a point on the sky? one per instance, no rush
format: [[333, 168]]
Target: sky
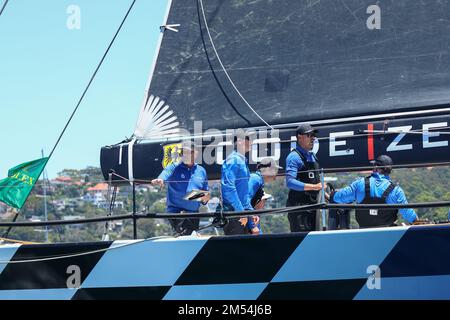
[[45, 66]]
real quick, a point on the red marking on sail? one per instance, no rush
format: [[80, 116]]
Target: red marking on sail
[[370, 152]]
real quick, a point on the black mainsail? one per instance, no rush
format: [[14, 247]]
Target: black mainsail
[[243, 63]]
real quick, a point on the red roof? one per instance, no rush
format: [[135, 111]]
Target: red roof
[[99, 187], [63, 179]]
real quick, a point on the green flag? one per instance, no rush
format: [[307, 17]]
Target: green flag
[[15, 189]]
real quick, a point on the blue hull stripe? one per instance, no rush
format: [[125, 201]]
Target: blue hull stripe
[[149, 263], [409, 288], [339, 255], [247, 291], [38, 294], [6, 253]]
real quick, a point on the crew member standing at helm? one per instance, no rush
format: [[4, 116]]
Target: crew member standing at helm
[[302, 179]]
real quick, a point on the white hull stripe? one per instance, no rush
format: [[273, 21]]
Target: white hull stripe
[[160, 264]]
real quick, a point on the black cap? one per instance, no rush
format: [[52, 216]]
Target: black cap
[[383, 161], [306, 128]]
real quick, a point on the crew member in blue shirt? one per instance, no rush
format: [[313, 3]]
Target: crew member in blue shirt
[[338, 219], [267, 172], [376, 189], [302, 179], [182, 178], [234, 183]]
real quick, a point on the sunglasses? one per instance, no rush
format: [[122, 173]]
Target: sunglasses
[[310, 135]]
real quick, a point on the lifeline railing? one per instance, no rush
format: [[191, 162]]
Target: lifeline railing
[[220, 218]]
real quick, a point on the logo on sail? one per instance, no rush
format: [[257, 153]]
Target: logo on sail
[[156, 120], [172, 154]]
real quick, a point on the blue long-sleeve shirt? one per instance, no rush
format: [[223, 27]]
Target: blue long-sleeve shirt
[[378, 184], [180, 180], [295, 163], [255, 182], [234, 182]]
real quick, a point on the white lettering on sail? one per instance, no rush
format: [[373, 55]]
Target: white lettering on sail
[[334, 144], [427, 135], [316, 146], [219, 153], [275, 149], [374, 21], [208, 155], [394, 146], [293, 142]]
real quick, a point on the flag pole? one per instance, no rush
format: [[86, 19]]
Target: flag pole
[[5, 235], [44, 186]]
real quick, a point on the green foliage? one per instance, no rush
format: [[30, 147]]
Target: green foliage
[[277, 223]]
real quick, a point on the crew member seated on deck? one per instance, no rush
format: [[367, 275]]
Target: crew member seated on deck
[[182, 178], [376, 189], [234, 183], [267, 171], [302, 179]]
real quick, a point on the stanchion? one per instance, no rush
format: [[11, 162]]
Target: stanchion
[[134, 212]]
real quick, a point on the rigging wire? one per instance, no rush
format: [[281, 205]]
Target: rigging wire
[[82, 96], [3, 7], [225, 70], [68, 256], [358, 134], [213, 72], [326, 170], [435, 204], [92, 78]]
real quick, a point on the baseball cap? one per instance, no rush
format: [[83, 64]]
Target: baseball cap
[[305, 128], [383, 161], [268, 163]]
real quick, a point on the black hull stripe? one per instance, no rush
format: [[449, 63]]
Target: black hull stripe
[[313, 290], [422, 251], [125, 293], [240, 259], [50, 274]]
